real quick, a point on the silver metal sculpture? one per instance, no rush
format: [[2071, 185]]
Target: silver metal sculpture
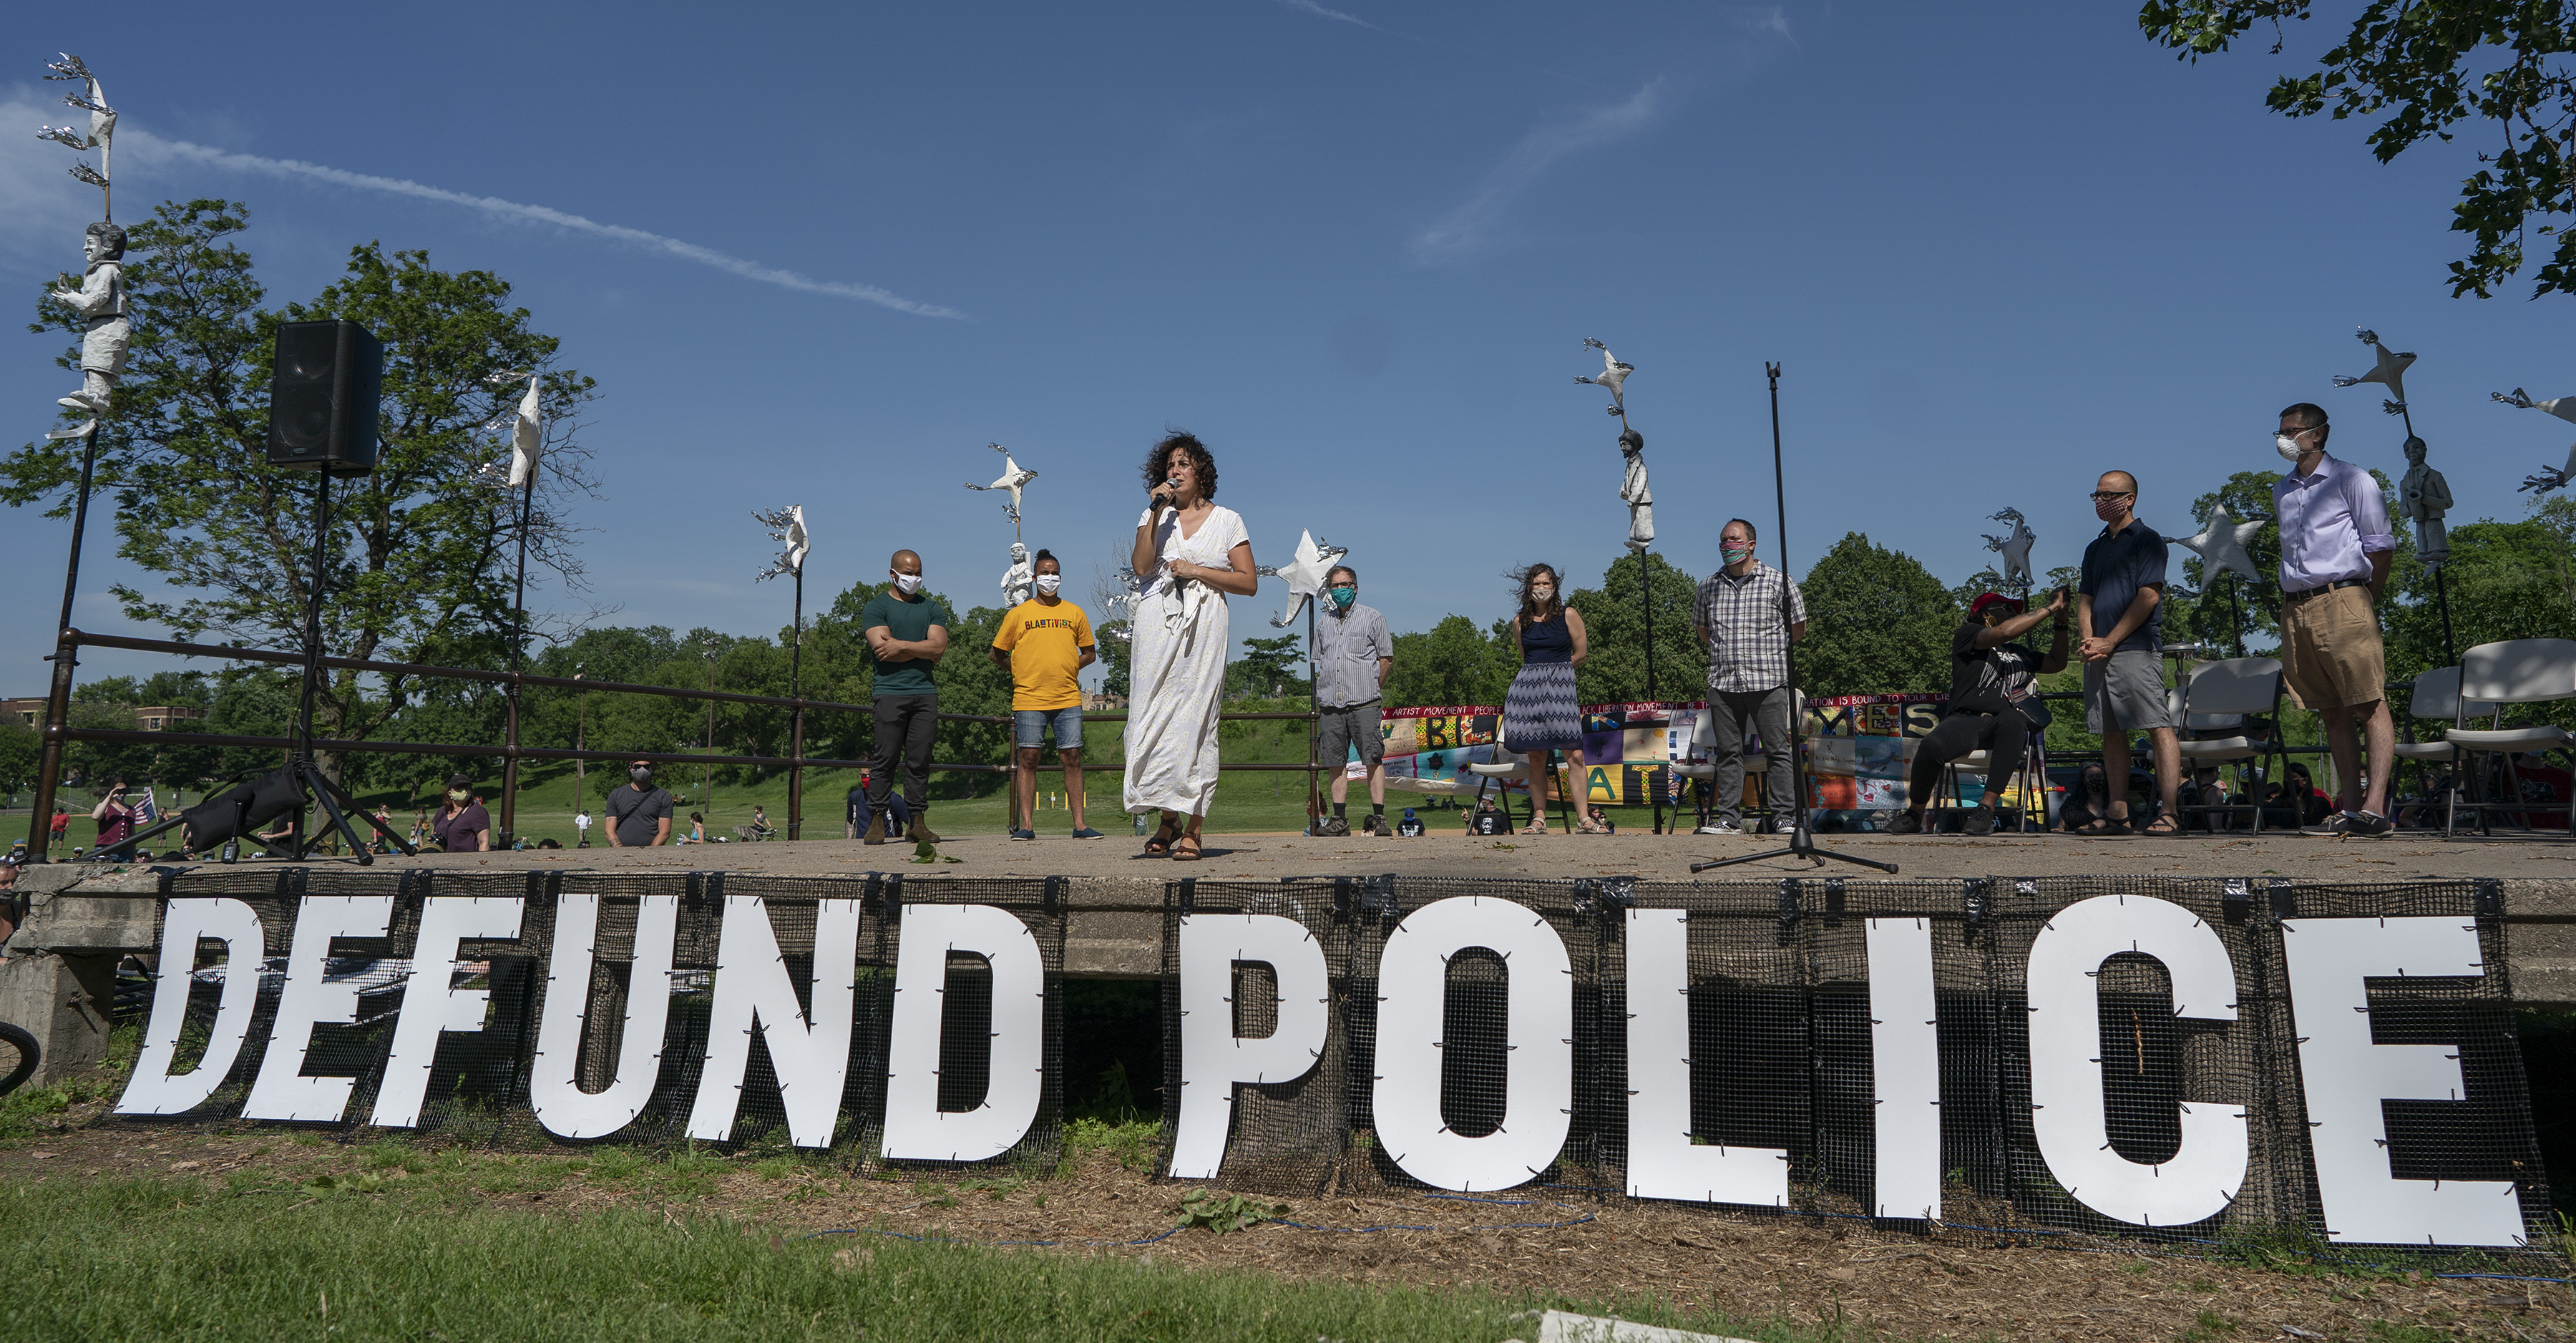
[[1020, 580], [2422, 498], [1633, 489], [1012, 478], [2221, 545], [2014, 546], [102, 126], [2549, 478], [2389, 371], [787, 526], [1304, 574], [1613, 375]]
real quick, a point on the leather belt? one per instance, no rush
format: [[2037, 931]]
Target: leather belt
[[2330, 587]]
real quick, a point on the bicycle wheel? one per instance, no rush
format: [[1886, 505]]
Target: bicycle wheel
[[18, 1054]]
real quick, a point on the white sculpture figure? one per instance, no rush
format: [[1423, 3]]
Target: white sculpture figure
[[2014, 547], [1305, 574], [2424, 497], [1613, 375], [1118, 611], [2549, 478], [1020, 579], [787, 525], [100, 302], [527, 428], [102, 125], [1633, 489], [2389, 371], [2221, 545], [1012, 478]]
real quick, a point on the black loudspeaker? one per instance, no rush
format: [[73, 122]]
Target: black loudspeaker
[[322, 397]]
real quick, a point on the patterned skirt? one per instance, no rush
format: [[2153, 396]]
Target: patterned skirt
[[1539, 714]]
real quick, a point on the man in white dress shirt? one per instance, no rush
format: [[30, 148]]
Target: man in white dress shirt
[[2336, 546]]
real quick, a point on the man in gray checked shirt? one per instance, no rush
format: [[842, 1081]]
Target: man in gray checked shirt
[[1351, 656], [1747, 612]]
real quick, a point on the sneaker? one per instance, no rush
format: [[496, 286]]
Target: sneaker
[[1980, 821], [2361, 824], [1905, 823], [1376, 825], [1721, 826], [921, 833], [1087, 832], [876, 828], [1024, 834], [1334, 827]]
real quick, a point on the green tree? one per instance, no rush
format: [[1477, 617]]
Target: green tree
[[1271, 668], [417, 552], [1877, 622], [2495, 70], [1614, 626], [20, 748], [2506, 580], [1453, 663]]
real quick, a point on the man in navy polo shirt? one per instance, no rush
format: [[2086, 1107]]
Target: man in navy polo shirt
[[2121, 614]]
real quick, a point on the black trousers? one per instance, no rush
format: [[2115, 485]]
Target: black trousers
[[906, 727], [2005, 738]]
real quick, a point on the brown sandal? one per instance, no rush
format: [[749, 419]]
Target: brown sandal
[[1188, 855], [1159, 845]]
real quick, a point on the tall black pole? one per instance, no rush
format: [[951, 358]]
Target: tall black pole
[[301, 751], [1801, 844], [796, 717], [58, 696], [2442, 594], [518, 643], [1646, 577]]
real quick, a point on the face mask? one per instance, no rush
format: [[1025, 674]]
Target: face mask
[[640, 775], [2107, 509], [1343, 597], [907, 584], [2288, 447], [1048, 583], [456, 795], [1734, 554]]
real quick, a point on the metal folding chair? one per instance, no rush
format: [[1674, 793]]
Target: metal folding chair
[[2217, 697], [2514, 671]]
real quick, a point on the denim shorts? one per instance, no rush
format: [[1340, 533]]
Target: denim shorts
[[1029, 727]]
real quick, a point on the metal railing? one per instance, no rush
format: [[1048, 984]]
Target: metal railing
[[59, 732]]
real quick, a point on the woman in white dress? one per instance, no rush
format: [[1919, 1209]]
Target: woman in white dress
[[1189, 554]]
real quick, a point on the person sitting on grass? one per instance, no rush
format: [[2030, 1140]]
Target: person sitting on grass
[[697, 830]]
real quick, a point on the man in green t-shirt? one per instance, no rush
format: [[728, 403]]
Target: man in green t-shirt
[[907, 632], [1044, 643]]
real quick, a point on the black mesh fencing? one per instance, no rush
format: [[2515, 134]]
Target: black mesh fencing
[[479, 1085], [1781, 1044]]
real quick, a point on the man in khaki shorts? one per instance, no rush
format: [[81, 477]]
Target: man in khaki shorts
[[2336, 546]]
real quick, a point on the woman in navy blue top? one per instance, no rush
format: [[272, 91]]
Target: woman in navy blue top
[[1539, 714]]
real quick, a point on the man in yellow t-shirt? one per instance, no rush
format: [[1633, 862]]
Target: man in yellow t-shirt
[[1045, 642]]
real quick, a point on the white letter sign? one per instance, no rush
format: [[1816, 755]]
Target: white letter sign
[[1213, 1058], [1904, 1069], [153, 1091], [753, 989], [430, 1003], [1538, 1067], [1662, 1162], [915, 1127], [308, 1000], [554, 1091]]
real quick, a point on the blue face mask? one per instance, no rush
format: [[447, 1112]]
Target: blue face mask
[[1343, 597]]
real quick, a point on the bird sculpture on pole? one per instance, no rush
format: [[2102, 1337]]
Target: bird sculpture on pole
[[1613, 375], [1012, 478], [2389, 371], [102, 126], [2549, 477], [2014, 546]]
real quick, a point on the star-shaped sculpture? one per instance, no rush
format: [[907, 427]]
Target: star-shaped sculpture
[[1012, 478], [1613, 375], [1305, 574], [2389, 372], [2014, 547], [2222, 544]]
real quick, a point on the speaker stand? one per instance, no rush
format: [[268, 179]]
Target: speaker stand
[[333, 799]]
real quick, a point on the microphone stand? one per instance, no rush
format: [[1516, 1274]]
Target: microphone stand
[[1801, 843]]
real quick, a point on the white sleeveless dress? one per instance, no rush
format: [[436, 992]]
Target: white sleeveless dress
[[1176, 674]]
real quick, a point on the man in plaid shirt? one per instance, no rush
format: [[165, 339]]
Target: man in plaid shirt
[[1747, 613]]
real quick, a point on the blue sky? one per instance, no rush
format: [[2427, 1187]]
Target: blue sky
[[1356, 247]]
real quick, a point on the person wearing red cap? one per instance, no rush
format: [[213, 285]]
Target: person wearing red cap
[[1991, 708]]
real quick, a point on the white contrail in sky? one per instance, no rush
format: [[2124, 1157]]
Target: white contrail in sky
[[493, 205]]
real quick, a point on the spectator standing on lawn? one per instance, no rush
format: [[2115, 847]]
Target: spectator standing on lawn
[[1351, 656], [462, 825], [2120, 611], [639, 814], [114, 816], [1044, 643], [2336, 546], [1748, 614], [907, 633], [581, 824]]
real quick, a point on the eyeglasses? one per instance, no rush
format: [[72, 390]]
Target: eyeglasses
[[2102, 495]]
